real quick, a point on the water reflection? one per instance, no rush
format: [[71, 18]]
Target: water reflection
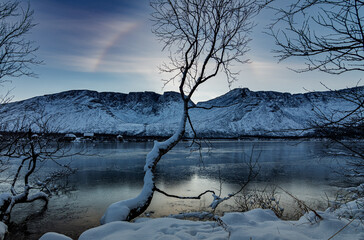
[[114, 171]]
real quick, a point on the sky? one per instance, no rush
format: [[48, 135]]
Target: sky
[[108, 46]]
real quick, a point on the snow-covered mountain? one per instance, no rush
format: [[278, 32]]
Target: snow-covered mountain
[[237, 113]]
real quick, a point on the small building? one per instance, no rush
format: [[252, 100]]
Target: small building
[[90, 136], [69, 137], [35, 136], [120, 138]]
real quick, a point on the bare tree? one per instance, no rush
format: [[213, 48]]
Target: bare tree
[[23, 152], [345, 129], [204, 38], [328, 34], [16, 52]]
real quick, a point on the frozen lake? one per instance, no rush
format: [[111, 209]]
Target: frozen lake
[[114, 171]]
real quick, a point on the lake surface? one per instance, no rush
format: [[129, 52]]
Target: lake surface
[[112, 172]]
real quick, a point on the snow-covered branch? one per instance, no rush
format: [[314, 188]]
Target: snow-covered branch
[[184, 197], [29, 150], [204, 38]]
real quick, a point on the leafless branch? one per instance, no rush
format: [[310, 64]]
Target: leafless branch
[[17, 54], [302, 204], [328, 34], [30, 150], [182, 197], [204, 38]]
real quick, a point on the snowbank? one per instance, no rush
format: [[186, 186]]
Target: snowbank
[[4, 197], [54, 236], [3, 230], [352, 209], [257, 224]]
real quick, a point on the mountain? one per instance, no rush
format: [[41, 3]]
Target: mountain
[[239, 112]]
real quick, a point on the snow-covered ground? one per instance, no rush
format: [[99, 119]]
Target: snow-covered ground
[[3, 230], [257, 224], [342, 222]]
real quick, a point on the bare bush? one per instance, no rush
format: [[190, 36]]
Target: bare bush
[[266, 198]]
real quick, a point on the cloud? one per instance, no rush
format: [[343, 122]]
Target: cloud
[[79, 40], [260, 68], [106, 44], [103, 48], [121, 64]]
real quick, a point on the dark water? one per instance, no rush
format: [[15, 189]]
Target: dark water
[[114, 171]]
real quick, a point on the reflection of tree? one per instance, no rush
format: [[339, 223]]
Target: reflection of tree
[[18, 230]]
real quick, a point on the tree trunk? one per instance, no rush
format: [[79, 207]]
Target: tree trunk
[[127, 210], [10, 201]]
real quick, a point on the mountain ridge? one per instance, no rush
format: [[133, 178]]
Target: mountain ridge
[[240, 112]]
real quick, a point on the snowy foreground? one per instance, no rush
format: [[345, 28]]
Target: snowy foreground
[[255, 224]]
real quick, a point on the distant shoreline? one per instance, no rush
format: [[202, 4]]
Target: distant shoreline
[[110, 137]]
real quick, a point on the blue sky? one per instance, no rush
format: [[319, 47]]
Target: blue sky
[[108, 46]]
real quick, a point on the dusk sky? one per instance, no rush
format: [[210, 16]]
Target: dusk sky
[[108, 46]]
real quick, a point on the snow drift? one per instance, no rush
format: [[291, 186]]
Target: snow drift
[[257, 224]]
